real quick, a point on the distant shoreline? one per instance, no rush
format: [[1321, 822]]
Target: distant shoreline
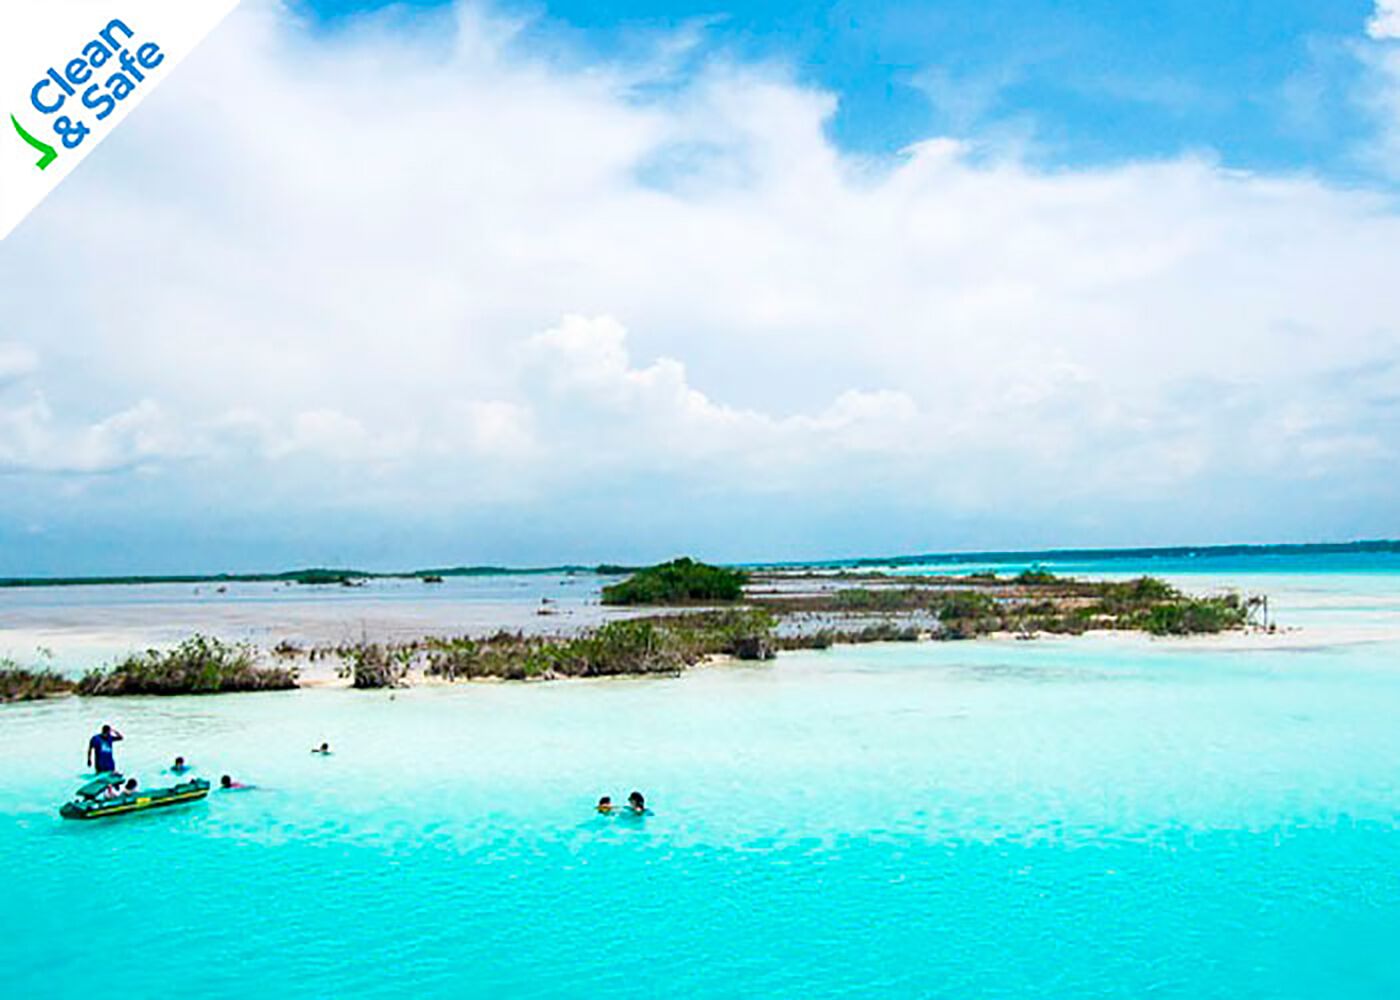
[[308, 577], [326, 576]]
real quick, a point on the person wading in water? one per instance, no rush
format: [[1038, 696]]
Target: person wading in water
[[99, 756]]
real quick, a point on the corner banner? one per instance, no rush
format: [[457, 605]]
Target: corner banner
[[70, 73]]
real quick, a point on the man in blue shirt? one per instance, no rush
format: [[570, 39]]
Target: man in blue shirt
[[99, 755]]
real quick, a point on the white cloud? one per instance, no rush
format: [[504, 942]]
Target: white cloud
[[1385, 22], [586, 362], [494, 428], [16, 361], [33, 440], [442, 264], [1382, 96]]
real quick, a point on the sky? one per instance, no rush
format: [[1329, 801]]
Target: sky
[[435, 284]]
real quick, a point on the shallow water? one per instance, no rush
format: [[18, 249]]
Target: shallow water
[[1102, 816], [76, 628]]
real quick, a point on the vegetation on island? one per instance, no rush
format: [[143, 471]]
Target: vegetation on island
[[22, 684], [321, 577], [1030, 603], [680, 581], [669, 643], [199, 665], [787, 610], [378, 665], [625, 647], [1196, 615], [887, 630], [638, 646]]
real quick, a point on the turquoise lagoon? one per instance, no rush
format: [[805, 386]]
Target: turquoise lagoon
[[1105, 816]]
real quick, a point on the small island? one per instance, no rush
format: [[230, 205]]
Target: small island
[[677, 583], [675, 615]]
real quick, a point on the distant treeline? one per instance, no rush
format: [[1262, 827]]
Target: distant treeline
[[311, 577], [1384, 546]]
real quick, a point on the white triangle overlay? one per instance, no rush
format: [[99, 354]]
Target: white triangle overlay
[[64, 63]]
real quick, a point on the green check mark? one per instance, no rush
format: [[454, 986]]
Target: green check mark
[[43, 147]]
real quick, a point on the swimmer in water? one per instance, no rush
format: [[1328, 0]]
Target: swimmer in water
[[637, 803], [229, 785], [324, 748], [605, 804], [179, 767]]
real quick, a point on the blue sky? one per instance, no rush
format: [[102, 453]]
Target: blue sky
[[524, 284], [1264, 84]]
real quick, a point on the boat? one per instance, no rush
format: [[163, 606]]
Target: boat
[[90, 803]]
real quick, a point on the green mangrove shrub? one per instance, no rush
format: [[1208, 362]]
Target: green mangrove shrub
[[21, 684], [373, 665], [1135, 595], [1196, 615], [877, 599], [662, 644], [454, 659], [680, 581], [199, 665]]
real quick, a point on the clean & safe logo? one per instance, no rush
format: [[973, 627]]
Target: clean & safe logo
[[70, 73], [79, 97]]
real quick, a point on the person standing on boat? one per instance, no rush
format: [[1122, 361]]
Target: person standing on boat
[[100, 756]]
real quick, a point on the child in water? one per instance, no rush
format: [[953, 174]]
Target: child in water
[[128, 789], [636, 805]]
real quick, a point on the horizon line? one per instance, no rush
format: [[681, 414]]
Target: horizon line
[[320, 575]]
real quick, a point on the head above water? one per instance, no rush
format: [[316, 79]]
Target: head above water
[[226, 782], [179, 762], [636, 801], [606, 800], [131, 784], [325, 747]]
